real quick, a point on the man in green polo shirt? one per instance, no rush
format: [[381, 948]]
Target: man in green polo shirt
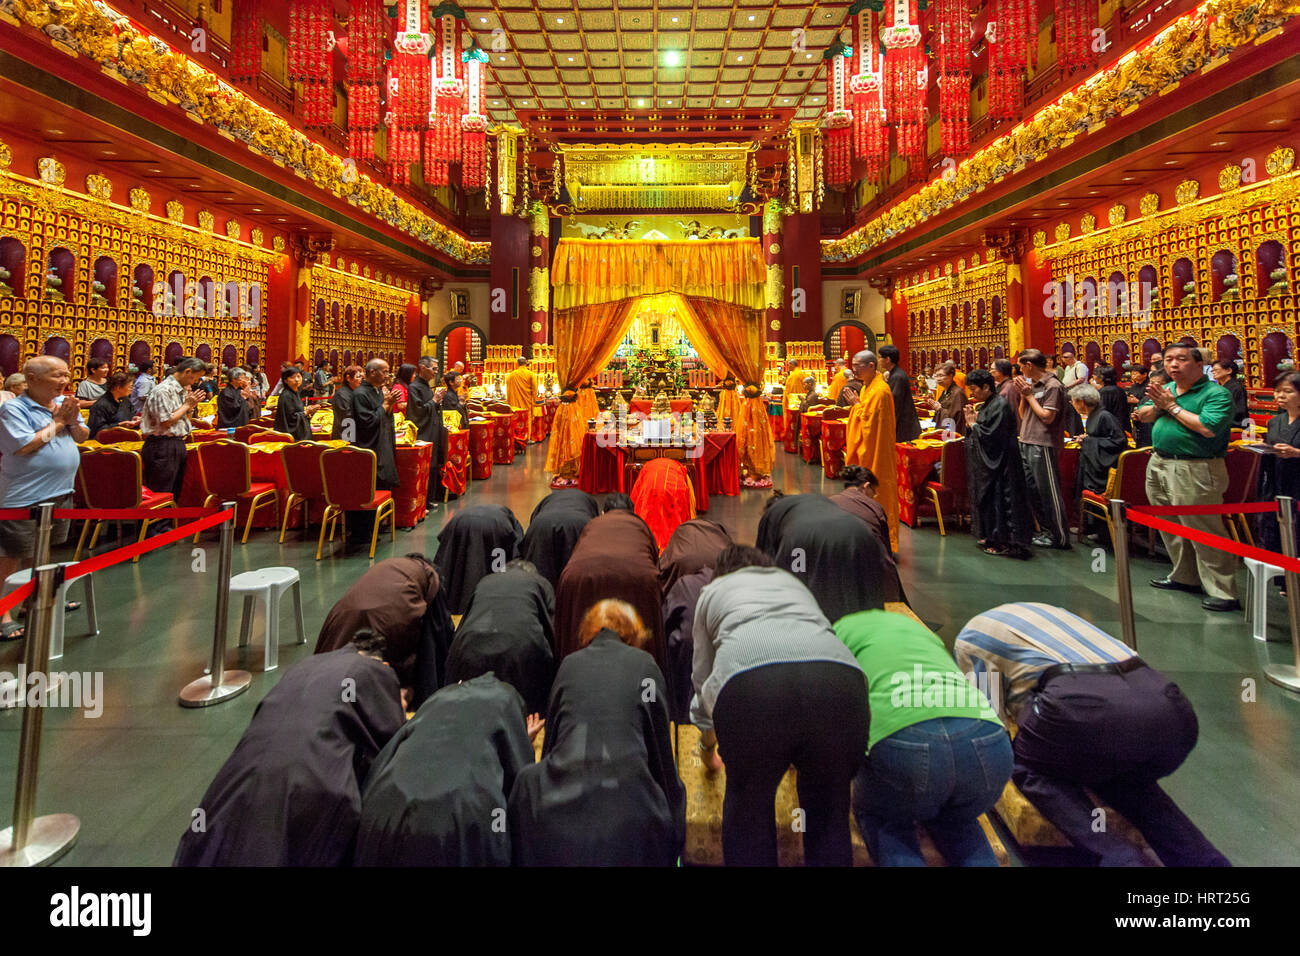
[[1192, 419]]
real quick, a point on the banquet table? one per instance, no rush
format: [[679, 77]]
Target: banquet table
[[677, 406], [503, 439], [792, 433], [717, 470]]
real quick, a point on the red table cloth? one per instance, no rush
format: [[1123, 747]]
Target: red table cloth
[[792, 434], [810, 434], [521, 426], [414, 463], [834, 438], [913, 464], [776, 418], [601, 468], [455, 473], [503, 439], [642, 405], [543, 415], [481, 434]]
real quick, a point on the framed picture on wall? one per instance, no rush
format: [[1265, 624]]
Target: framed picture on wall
[[459, 303], [851, 304]]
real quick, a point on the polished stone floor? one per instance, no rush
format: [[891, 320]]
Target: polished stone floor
[[133, 774]]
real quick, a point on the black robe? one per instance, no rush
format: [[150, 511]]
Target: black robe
[[679, 626], [906, 423], [606, 792], [341, 402], [1103, 442], [233, 410], [420, 410], [842, 562], [108, 412], [291, 416], [473, 544], [1278, 477], [507, 630], [290, 794], [437, 793], [1115, 400], [554, 529], [996, 478], [375, 431], [1240, 404]]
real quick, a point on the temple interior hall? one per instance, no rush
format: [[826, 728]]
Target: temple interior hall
[[792, 348]]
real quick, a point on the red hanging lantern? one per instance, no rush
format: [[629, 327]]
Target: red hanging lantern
[[838, 120], [364, 75], [906, 78], [952, 23], [408, 88], [447, 81], [1012, 35], [870, 139], [310, 61], [473, 125], [246, 22], [1076, 20]]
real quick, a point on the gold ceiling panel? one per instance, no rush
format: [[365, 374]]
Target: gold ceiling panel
[[555, 4], [672, 21], [787, 18], [597, 20], [631, 20], [522, 20]]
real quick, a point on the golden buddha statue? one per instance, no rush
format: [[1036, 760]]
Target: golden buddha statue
[[661, 408]]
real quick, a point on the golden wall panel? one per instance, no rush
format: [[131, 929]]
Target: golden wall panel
[[357, 315], [964, 310]]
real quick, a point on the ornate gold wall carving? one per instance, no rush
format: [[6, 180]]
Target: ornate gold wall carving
[[938, 319], [358, 315]]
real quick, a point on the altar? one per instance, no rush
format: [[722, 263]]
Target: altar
[[677, 406], [712, 463]]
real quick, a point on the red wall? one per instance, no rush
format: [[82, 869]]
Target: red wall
[[509, 251], [803, 248]]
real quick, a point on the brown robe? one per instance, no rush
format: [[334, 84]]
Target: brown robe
[[615, 557], [861, 505], [695, 545]]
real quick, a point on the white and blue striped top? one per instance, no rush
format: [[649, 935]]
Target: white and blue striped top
[[1020, 641]]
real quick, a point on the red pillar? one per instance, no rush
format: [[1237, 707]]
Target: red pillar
[[416, 330], [281, 312], [509, 311], [803, 259]]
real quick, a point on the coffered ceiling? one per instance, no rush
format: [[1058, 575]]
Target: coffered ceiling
[[726, 68]]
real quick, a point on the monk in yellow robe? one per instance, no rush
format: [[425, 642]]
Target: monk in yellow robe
[[463, 388], [837, 382], [588, 407], [870, 437], [521, 386], [793, 387]]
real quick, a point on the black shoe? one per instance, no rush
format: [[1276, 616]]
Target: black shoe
[[1167, 584], [1221, 604]]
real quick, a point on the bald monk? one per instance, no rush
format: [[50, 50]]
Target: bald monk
[[521, 386], [870, 438], [794, 376], [837, 381], [463, 388]]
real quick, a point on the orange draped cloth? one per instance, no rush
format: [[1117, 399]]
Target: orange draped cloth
[[588, 407], [585, 341], [591, 271], [664, 497], [871, 432], [731, 338], [729, 405]]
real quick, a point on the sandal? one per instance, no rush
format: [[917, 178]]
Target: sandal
[[8, 628], [994, 549]]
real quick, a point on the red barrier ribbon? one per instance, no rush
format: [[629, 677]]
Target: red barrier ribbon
[[1216, 541], [1258, 508]]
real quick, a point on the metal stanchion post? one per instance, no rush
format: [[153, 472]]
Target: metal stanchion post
[[32, 840], [1123, 581], [1288, 675], [220, 684]]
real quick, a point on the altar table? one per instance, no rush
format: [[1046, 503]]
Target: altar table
[[678, 406], [601, 469]]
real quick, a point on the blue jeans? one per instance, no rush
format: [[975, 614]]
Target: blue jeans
[[941, 773]]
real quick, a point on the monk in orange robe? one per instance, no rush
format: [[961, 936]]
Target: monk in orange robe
[[521, 386], [870, 437], [793, 386], [837, 382]]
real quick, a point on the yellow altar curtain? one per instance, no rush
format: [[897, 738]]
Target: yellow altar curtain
[[730, 338], [585, 340], [594, 271]]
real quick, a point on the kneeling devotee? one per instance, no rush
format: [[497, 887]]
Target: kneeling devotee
[[477, 541], [554, 528], [507, 630], [663, 496], [685, 566], [400, 600], [843, 563], [1000, 514], [774, 687], [606, 792], [938, 755], [436, 795], [615, 557], [290, 794], [859, 499], [870, 438], [1091, 714]]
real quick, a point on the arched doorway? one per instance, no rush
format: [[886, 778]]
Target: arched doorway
[[847, 338], [461, 342], [140, 352]]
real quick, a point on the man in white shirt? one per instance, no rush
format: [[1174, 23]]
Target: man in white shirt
[[165, 423]]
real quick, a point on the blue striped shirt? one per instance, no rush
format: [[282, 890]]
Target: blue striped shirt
[[1020, 641]]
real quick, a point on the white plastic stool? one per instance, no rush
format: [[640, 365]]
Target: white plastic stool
[[1261, 575], [267, 584], [19, 578]]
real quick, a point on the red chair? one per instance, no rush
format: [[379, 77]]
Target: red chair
[[259, 437], [244, 432], [226, 475], [1128, 484], [348, 480], [1243, 483], [302, 472], [951, 489], [116, 433], [111, 478]]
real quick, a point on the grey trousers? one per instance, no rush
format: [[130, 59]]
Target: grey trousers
[[1043, 476], [1199, 481]]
